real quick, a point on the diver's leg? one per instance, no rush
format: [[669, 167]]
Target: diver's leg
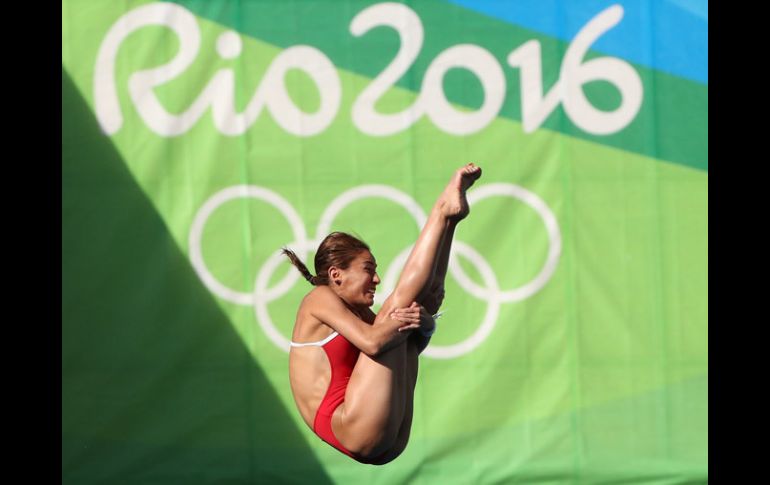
[[402, 439], [433, 294], [450, 208], [369, 420]]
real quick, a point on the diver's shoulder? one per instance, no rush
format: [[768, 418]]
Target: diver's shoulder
[[319, 294]]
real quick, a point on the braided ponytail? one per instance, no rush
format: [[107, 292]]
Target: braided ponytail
[[337, 249], [300, 266]]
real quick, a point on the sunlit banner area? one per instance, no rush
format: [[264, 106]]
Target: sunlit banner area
[[199, 138]]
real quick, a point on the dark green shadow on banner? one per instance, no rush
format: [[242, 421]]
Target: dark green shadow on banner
[[156, 385]]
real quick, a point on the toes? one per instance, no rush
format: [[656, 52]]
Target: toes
[[471, 169]]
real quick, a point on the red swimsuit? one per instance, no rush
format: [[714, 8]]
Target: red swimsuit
[[342, 358]]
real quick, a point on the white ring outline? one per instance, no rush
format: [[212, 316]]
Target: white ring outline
[[490, 318], [554, 244], [196, 234], [262, 295]]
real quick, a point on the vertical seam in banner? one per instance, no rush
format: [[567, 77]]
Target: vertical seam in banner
[[298, 91], [572, 315], [659, 313], [414, 190], [192, 197], [243, 163], [410, 73], [301, 140]]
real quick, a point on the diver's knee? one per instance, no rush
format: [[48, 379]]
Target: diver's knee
[[385, 458], [371, 445]]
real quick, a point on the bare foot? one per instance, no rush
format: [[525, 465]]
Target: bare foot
[[454, 205]]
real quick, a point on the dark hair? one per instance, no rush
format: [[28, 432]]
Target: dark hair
[[337, 249]]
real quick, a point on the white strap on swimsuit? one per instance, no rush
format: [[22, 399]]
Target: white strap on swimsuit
[[320, 343]]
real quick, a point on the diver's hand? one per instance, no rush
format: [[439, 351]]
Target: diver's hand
[[427, 322], [410, 316]]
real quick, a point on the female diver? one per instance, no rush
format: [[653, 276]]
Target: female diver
[[352, 372]]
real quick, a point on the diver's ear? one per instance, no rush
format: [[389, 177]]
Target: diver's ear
[[335, 275]]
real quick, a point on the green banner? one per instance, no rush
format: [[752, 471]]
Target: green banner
[[198, 138]]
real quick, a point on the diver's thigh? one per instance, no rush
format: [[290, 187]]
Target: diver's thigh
[[374, 401]]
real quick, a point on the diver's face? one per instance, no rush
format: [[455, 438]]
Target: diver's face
[[359, 281]]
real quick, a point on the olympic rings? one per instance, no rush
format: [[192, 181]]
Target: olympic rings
[[302, 245]]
